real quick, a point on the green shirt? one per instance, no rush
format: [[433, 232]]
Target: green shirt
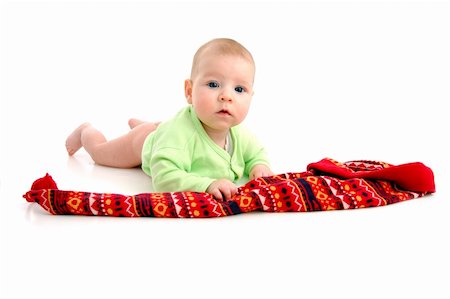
[[180, 156]]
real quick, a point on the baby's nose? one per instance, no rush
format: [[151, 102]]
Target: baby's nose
[[225, 96]]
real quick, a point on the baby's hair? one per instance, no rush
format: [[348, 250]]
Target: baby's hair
[[221, 46]]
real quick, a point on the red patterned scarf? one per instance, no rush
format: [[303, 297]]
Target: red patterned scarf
[[326, 185]]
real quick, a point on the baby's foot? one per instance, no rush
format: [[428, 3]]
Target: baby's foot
[[73, 142], [134, 122]]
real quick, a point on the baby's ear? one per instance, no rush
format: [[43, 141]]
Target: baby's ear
[[188, 90]]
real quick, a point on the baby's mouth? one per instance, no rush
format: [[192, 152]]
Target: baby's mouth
[[224, 112]]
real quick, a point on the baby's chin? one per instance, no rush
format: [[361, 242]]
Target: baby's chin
[[217, 126]]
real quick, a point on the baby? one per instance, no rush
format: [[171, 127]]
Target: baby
[[202, 148]]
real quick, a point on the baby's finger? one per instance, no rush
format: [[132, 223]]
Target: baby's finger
[[217, 194], [234, 190], [268, 173], [256, 174], [226, 192]]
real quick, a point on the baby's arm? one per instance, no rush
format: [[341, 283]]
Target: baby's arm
[[255, 157], [174, 179], [170, 173], [170, 177]]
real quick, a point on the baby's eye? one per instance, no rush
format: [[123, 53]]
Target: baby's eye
[[213, 84], [239, 89]]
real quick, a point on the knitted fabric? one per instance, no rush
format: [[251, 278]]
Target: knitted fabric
[[326, 185]]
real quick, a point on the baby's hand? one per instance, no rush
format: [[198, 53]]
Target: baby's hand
[[222, 189], [260, 170]]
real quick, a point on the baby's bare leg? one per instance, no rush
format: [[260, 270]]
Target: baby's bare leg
[[124, 151], [134, 122]]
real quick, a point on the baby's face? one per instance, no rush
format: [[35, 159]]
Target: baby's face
[[222, 90]]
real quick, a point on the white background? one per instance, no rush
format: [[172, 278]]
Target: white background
[[346, 80]]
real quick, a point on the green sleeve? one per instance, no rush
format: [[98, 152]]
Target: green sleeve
[[253, 153], [171, 172]]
